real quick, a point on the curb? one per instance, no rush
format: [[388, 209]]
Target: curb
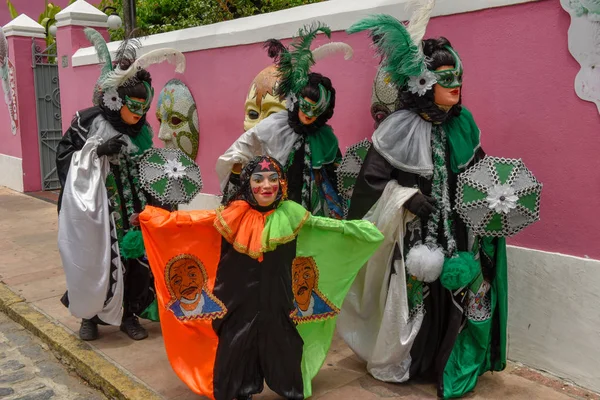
[[91, 366]]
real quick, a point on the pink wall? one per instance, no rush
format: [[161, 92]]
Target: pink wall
[[31, 8], [518, 83], [9, 144]]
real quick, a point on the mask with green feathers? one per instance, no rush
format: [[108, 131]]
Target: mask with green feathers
[[124, 73], [400, 47], [294, 64]]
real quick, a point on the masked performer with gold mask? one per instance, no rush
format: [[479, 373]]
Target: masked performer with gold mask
[[298, 138], [432, 301], [100, 243], [250, 293]]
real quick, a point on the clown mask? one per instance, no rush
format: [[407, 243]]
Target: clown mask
[[176, 112]]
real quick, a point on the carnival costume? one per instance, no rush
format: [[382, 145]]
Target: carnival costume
[[298, 138], [250, 293], [432, 301], [101, 247]]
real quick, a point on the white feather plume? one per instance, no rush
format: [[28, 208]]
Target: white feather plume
[[329, 49], [425, 263], [118, 77], [172, 56], [417, 25], [3, 48]]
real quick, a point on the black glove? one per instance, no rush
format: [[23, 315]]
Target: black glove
[[420, 205], [111, 146]]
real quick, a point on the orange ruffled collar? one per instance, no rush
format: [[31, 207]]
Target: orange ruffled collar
[[244, 227]]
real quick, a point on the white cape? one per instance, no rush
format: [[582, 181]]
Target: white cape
[[374, 320], [84, 233], [404, 140], [273, 136]]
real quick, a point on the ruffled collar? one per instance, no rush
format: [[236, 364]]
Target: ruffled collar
[[254, 233]]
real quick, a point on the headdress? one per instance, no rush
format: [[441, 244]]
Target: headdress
[[401, 48], [125, 72], [294, 65]]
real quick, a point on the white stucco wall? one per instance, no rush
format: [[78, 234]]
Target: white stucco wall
[[554, 314], [337, 14], [12, 172]]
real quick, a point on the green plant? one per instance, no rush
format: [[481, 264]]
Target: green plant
[[157, 16], [46, 18]]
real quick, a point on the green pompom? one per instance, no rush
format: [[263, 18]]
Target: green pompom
[[132, 245], [459, 270]]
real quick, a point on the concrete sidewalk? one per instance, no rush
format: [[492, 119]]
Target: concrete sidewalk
[[30, 266]]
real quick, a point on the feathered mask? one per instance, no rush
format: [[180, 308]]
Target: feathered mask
[[401, 45], [294, 65], [127, 66]]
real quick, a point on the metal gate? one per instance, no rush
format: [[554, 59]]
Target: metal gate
[[47, 93]]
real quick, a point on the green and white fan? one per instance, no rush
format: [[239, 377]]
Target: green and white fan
[[170, 176], [349, 169], [498, 197]]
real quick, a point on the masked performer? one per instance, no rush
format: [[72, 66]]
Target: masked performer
[[298, 138], [250, 292], [401, 316], [101, 246]]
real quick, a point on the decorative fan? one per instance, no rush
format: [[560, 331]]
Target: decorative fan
[[170, 176], [349, 169], [498, 197]]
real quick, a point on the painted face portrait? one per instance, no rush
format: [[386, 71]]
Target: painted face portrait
[[178, 117], [310, 303], [186, 280], [304, 279], [384, 99], [261, 100]]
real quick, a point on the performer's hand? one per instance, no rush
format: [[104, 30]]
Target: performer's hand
[[111, 146], [420, 205], [134, 220]]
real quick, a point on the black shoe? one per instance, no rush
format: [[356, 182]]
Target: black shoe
[[244, 397], [131, 326], [88, 330]]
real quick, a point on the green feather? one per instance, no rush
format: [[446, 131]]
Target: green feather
[[102, 51], [401, 56], [294, 65]]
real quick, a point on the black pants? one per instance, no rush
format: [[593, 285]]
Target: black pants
[[257, 348]]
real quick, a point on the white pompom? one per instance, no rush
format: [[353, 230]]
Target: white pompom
[[425, 263]]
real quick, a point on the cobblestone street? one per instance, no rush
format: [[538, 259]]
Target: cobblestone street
[[29, 370]]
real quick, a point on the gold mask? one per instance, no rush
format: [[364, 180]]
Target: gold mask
[[261, 100]]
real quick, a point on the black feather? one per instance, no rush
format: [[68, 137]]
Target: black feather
[[274, 49], [127, 52]]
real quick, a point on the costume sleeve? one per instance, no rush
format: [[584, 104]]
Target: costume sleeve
[[374, 175], [73, 140], [190, 340], [326, 241], [240, 152]]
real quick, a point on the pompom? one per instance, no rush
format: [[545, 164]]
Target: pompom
[[425, 263], [132, 245], [459, 270]]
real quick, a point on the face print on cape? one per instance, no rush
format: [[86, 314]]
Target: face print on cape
[[178, 117], [310, 303], [261, 100], [186, 278], [384, 99]]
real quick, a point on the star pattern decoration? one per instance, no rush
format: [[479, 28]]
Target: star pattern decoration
[[265, 165]]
